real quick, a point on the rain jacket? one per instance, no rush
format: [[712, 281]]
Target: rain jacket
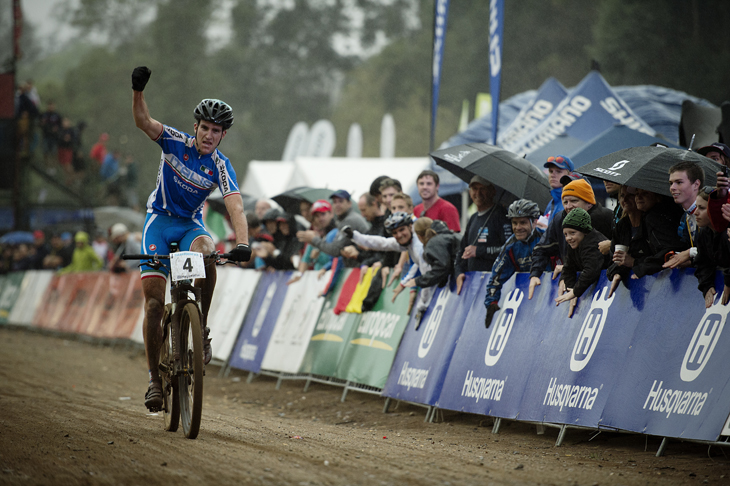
[[516, 256], [488, 232], [586, 259], [713, 251], [440, 253]]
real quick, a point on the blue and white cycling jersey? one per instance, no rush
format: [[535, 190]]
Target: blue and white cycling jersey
[[186, 178]]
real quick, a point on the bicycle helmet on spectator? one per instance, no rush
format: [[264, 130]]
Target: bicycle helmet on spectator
[[215, 111], [398, 219], [523, 208]]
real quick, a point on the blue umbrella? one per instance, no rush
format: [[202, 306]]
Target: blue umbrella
[[16, 238]]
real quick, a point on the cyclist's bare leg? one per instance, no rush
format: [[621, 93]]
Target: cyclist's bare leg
[[154, 305], [206, 285]]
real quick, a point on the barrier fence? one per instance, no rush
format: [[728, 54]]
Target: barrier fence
[[649, 359]]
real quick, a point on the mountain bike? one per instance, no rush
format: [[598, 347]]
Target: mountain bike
[[181, 355]]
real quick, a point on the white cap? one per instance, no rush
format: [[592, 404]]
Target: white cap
[[118, 230]]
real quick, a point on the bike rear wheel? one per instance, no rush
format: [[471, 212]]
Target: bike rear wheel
[[190, 384], [170, 396]]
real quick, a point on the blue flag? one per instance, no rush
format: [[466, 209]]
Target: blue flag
[[441, 11], [496, 27]]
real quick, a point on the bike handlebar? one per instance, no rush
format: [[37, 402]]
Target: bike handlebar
[[167, 257]]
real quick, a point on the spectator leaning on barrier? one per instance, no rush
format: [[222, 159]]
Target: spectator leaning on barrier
[[583, 256], [685, 180], [123, 242], [400, 226], [324, 225], [440, 245], [515, 255], [576, 194], [626, 246], [373, 213], [713, 252], [433, 206], [84, 257], [59, 254], [658, 231], [486, 232], [612, 190]]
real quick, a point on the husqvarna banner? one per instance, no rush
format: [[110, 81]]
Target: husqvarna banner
[[491, 366], [591, 108], [32, 290], [674, 379], [423, 356], [372, 346], [9, 292], [259, 323], [496, 37], [441, 11]]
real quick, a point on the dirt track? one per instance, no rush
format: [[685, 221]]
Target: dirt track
[[72, 413]]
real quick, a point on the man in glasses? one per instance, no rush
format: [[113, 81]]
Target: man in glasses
[[558, 167], [685, 181]]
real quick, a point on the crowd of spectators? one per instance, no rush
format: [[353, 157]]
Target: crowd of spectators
[[422, 247], [66, 252], [55, 142]]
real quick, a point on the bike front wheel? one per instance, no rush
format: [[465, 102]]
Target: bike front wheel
[[190, 384], [170, 395]]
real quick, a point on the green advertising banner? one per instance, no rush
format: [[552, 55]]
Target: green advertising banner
[[330, 336], [372, 346], [9, 291]]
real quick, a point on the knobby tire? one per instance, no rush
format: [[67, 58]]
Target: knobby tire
[[170, 396], [190, 384]]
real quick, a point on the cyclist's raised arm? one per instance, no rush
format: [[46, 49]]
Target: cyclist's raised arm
[[234, 206], [141, 113]]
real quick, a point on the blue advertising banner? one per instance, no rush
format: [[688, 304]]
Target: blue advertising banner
[[491, 366], [674, 380], [440, 14], [591, 108], [423, 356], [550, 94], [575, 370], [259, 322], [496, 36]]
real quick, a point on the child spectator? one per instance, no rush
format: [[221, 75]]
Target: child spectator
[[583, 256]]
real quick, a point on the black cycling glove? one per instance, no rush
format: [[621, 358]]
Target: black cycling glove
[[140, 76], [491, 310], [241, 253]]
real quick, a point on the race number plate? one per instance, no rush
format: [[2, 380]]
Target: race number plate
[[186, 265]]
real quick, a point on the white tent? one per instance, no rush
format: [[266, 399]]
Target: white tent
[[354, 174], [266, 179]]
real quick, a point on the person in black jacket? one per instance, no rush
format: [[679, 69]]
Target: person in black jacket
[[713, 252], [627, 247], [552, 247], [486, 232], [440, 245], [583, 256]]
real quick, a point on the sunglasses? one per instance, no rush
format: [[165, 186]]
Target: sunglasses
[[558, 160]]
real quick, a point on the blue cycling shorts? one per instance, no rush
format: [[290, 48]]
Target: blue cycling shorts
[[160, 230]]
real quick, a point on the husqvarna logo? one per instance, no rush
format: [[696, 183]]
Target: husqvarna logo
[[703, 342], [590, 331], [263, 310], [500, 333], [434, 321]]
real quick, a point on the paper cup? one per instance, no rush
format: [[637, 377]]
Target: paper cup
[[622, 248]]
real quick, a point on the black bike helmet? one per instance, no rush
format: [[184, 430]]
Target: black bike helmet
[[215, 111], [398, 219], [523, 208]]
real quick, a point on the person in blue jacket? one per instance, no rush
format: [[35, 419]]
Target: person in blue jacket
[[558, 167], [516, 254]]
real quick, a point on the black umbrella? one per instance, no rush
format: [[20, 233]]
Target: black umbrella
[[289, 200], [501, 167], [647, 167]]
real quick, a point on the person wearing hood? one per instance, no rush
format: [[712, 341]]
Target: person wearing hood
[[84, 257], [583, 256], [440, 246]]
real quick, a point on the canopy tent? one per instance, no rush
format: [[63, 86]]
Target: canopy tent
[[354, 175], [266, 179], [614, 138]]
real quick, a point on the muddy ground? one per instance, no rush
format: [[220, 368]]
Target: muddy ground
[[71, 412]]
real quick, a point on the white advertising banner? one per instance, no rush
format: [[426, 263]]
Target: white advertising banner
[[294, 327], [233, 291], [32, 290]]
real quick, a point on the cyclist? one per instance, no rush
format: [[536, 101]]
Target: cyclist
[[190, 168]]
